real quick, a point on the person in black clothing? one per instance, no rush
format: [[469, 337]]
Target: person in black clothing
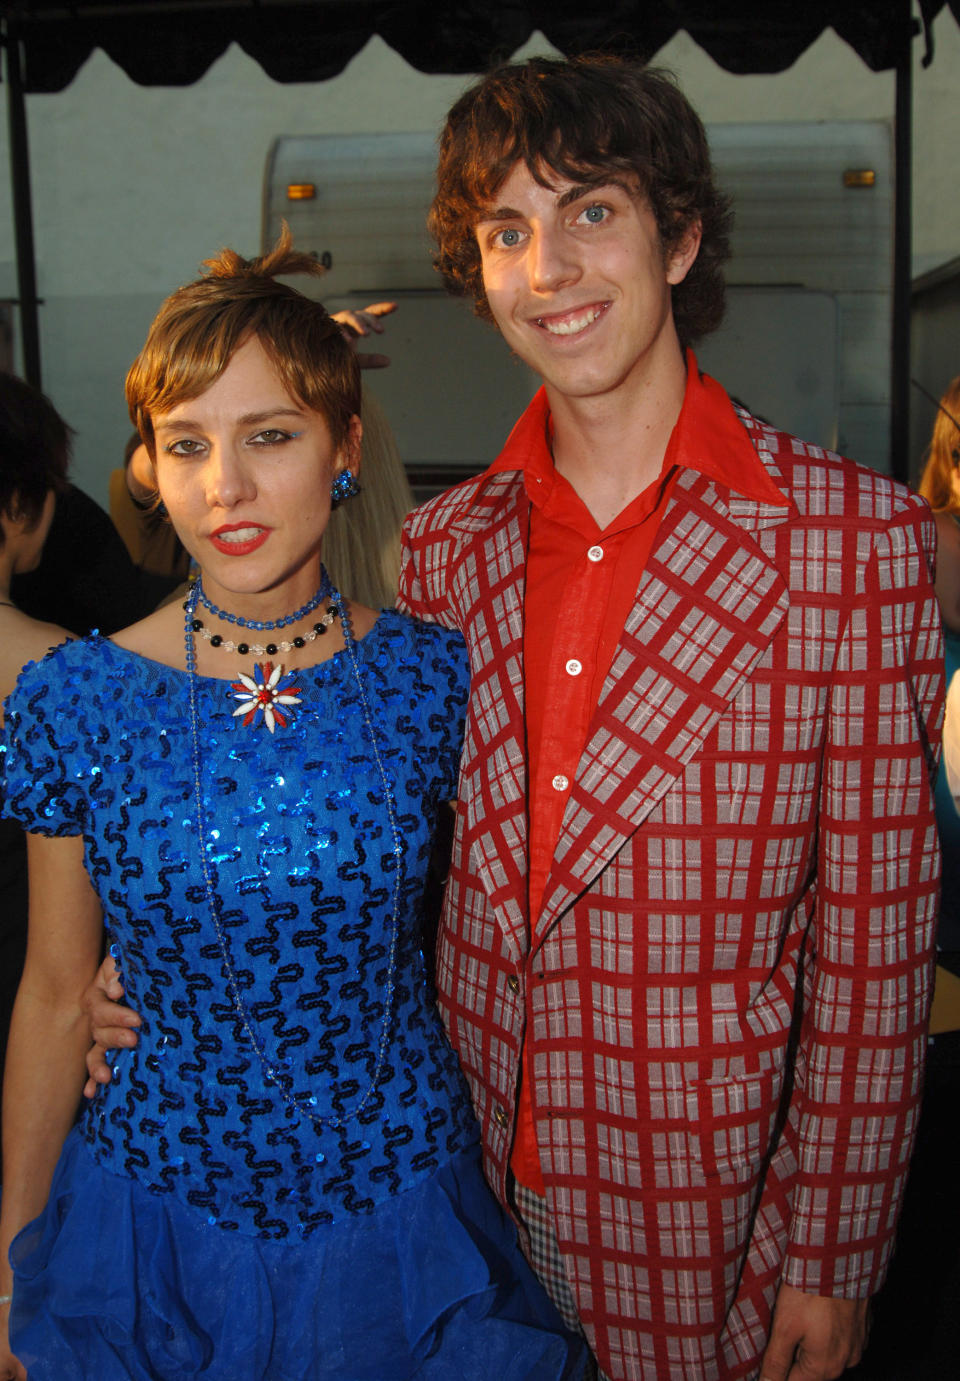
[[86, 579], [34, 450]]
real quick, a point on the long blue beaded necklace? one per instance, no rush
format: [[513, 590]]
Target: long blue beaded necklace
[[281, 1081]]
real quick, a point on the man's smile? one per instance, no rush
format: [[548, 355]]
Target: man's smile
[[572, 323]]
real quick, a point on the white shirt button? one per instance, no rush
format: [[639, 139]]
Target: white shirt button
[[560, 782], [574, 667], [595, 554]]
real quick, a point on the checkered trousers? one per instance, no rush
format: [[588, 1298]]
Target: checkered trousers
[[546, 1258], [726, 990]]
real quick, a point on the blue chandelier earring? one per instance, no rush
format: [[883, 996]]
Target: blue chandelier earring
[[344, 486]]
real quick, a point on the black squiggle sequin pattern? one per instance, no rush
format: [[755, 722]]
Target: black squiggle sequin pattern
[[97, 741]]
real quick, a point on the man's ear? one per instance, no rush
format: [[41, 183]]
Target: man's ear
[[681, 257]]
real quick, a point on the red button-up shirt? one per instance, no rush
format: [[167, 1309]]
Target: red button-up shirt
[[581, 583]]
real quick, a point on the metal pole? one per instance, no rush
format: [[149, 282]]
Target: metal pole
[[902, 251], [22, 211]]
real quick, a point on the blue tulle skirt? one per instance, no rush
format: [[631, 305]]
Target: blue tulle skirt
[[115, 1282]]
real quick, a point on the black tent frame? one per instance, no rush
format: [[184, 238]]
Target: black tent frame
[[173, 42]]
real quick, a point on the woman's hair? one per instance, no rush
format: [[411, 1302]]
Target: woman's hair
[[577, 120], [361, 546], [197, 330], [34, 450], [943, 453]]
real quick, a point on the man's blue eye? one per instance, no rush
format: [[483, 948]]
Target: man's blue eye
[[595, 213]]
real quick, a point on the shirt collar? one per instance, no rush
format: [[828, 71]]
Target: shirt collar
[[708, 437]]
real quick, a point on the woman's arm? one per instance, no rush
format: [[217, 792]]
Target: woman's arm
[[49, 1036]]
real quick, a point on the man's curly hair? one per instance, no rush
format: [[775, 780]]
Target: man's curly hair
[[573, 120]]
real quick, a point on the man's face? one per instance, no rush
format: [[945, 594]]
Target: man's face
[[578, 284]]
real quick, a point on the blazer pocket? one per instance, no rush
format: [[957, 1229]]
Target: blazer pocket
[[735, 1114]]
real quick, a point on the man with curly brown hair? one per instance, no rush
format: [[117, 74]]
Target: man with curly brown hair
[[685, 949]]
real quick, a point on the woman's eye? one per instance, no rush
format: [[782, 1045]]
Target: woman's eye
[[272, 436], [184, 447]]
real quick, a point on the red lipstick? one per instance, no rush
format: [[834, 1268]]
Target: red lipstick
[[239, 546]]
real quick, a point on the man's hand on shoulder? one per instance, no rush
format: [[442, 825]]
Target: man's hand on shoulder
[[813, 1337]]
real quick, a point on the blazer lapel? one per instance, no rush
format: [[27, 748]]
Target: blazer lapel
[[708, 605]]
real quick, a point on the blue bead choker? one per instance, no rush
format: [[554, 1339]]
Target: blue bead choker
[[265, 625]]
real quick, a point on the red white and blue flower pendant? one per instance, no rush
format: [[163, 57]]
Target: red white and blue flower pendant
[[264, 693]]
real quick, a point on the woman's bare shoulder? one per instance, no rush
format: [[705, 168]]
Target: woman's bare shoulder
[[159, 636]]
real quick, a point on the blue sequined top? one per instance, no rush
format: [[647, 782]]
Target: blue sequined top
[[301, 854]]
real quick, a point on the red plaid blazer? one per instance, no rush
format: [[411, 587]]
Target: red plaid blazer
[[727, 989]]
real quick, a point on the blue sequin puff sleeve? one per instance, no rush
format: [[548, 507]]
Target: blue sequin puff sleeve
[[45, 725]]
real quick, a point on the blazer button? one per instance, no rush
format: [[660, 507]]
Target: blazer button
[[513, 983], [500, 1117]]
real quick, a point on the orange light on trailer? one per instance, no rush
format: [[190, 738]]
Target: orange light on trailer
[[859, 177], [301, 191]]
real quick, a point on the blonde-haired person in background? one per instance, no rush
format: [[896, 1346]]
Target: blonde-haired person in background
[[914, 1314], [362, 542], [940, 486]]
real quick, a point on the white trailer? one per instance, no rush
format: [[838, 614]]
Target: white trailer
[[806, 341]]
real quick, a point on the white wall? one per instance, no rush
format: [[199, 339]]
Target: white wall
[[133, 186], [829, 82]]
